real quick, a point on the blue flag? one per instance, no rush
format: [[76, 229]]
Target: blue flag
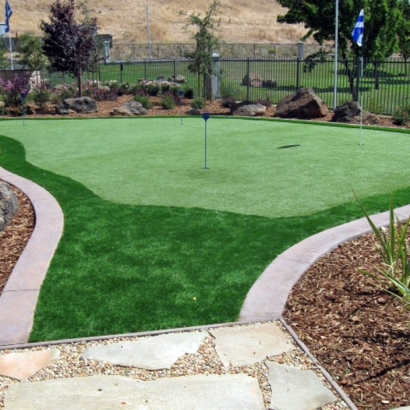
[[9, 12], [358, 31]]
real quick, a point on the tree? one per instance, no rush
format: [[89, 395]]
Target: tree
[[403, 30], [70, 46], [206, 42], [31, 55], [319, 17]]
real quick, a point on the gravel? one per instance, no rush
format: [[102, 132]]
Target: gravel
[[205, 361]]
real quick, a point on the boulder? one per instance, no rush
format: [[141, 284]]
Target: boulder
[[248, 110], [8, 205], [350, 113], [129, 109], [81, 105], [252, 79], [195, 111], [304, 104], [179, 79], [269, 84]]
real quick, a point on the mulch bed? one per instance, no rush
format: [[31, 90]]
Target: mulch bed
[[357, 331]]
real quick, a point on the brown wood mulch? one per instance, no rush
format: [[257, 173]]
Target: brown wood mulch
[[15, 237], [357, 331]]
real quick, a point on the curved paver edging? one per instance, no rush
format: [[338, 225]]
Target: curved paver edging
[[19, 298], [267, 298]]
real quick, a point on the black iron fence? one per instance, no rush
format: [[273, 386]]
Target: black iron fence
[[384, 85]]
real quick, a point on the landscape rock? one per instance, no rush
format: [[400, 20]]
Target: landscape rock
[[24, 365], [252, 79], [296, 389], [248, 110], [81, 105], [304, 104], [8, 205], [159, 352], [350, 113], [195, 111], [201, 392], [129, 109], [269, 84], [242, 346], [179, 79]]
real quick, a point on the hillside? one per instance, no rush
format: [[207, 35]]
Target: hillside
[[241, 21]]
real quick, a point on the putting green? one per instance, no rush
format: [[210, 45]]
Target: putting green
[[266, 168]]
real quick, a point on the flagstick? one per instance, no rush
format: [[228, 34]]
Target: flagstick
[[336, 54]]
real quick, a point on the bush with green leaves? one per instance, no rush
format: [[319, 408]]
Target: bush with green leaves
[[189, 93], [41, 96], [394, 250], [144, 100], [401, 115], [153, 89], [168, 102], [165, 87], [198, 103]]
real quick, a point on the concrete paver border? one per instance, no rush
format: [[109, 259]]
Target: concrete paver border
[[267, 298], [19, 298]]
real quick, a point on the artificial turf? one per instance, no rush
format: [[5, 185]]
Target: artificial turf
[[125, 267]]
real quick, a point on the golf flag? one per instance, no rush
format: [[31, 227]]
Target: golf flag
[[9, 12], [358, 31]]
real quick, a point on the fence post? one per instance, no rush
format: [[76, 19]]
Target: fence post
[[121, 69], [248, 75], [301, 45], [145, 70], [175, 69]]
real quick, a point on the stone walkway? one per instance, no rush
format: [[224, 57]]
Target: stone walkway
[[250, 367]]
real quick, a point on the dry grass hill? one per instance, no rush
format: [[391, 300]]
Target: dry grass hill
[[241, 21]]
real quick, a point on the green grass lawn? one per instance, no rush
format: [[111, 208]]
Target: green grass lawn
[[152, 240]]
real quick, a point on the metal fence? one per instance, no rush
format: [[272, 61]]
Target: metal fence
[[384, 86]]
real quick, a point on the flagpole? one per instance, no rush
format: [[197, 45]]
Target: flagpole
[[11, 51], [9, 13], [336, 53]]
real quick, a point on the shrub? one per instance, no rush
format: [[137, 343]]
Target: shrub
[[41, 96], [153, 89], [198, 103], [165, 87], [168, 103], [394, 250], [401, 115], [144, 100], [11, 91], [189, 93]]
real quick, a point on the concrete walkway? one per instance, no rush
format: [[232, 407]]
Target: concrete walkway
[[236, 350], [19, 298]]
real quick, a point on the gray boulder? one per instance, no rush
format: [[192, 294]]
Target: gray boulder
[[350, 113], [304, 104], [269, 84], [248, 110], [252, 79], [8, 205], [129, 109], [81, 105]]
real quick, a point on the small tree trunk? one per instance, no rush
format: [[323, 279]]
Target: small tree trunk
[[79, 84]]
